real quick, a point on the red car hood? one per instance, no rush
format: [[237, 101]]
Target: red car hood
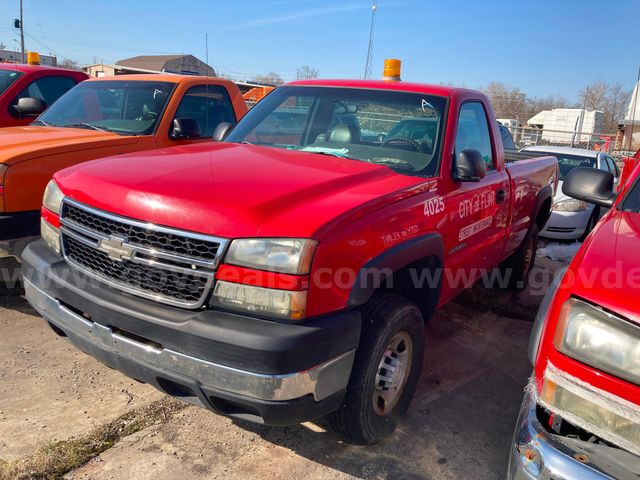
[[607, 268], [232, 190]]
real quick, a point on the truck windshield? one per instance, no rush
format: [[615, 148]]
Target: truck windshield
[[400, 130], [7, 77], [124, 107], [632, 200]]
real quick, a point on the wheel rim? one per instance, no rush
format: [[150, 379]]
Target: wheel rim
[[392, 373]]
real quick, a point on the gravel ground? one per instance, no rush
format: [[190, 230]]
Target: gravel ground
[[459, 425]]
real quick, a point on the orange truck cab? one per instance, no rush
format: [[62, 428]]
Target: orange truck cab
[[98, 118]]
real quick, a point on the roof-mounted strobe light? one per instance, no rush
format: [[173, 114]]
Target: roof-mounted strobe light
[[33, 58], [391, 70]]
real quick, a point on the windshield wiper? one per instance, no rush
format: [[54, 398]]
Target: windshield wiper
[[41, 122], [87, 125]]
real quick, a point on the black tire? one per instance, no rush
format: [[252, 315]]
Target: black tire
[[385, 317], [518, 266], [593, 219]]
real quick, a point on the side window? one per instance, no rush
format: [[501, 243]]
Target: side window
[[208, 105], [47, 89], [473, 132]]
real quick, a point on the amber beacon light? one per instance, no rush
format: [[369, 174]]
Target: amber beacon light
[[391, 69]]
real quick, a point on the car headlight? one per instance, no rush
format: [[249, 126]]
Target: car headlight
[[599, 339], [289, 304], [53, 196], [283, 255], [570, 205]]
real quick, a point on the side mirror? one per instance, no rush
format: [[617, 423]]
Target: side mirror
[[29, 107], [184, 128], [221, 131], [591, 185], [469, 166]]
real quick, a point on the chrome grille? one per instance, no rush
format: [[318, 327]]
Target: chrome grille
[[167, 265]]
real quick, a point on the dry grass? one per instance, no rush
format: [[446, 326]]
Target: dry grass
[[51, 461]]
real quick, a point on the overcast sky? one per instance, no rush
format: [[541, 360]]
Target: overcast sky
[[543, 47]]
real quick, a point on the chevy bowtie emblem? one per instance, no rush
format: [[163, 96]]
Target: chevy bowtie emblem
[[116, 248]]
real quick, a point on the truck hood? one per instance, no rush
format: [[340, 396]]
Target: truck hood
[[22, 143], [232, 190], [608, 263]]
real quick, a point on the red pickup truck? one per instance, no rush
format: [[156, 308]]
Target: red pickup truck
[[580, 418], [28, 90], [287, 272]]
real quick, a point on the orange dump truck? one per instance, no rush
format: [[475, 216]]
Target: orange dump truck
[[97, 118]]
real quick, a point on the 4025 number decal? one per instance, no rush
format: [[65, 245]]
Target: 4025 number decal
[[433, 207]]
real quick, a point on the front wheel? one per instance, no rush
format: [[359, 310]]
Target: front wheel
[[520, 263], [385, 371]]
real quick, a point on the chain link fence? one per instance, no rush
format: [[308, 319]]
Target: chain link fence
[[532, 136]]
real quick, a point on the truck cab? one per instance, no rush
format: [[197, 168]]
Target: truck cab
[[287, 272], [28, 90]]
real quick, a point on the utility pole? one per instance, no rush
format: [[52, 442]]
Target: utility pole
[[633, 114], [367, 67], [21, 33], [580, 119]]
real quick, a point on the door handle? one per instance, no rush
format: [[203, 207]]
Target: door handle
[[500, 195]]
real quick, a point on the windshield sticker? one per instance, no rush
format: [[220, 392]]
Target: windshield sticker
[[426, 105], [474, 228], [476, 204], [433, 207]]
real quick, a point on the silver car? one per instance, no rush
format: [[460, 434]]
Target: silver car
[[573, 219]]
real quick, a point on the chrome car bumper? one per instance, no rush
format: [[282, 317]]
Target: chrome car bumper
[[537, 454], [321, 381]]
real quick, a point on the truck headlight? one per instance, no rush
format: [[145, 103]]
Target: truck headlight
[[283, 255], [51, 235], [599, 339], [570, 205], [290, 304], [53, 196]]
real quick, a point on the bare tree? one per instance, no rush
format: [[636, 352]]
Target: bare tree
[[616, 107], [305, 72], [270, 78], [508, 102], [69, 64], [594, 96]]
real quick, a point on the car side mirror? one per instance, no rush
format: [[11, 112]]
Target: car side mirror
[[29, 107], [221, 131], [469, 166], [591, 185], [185, 128]]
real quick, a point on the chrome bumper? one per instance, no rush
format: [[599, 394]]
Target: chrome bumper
[[537, 454], [321, 381]]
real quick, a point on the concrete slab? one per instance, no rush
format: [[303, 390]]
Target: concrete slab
[[49, 390]]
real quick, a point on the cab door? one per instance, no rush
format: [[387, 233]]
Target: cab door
[[480, 210]]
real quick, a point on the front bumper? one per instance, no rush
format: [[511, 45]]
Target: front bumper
[[537, 454], [566, 225], [245, 367]]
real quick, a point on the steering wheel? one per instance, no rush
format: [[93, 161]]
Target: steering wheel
[[147, 116], [400, 141]]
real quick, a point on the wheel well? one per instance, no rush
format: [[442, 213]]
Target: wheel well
[[543, 213], [419, 282]]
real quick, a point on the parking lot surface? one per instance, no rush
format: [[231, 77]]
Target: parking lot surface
[[458, 426]]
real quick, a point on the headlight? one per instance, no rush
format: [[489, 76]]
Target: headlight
[[53, 197], [570, 205], [279, 303], [51, 235], [599, 339], [284, 255]]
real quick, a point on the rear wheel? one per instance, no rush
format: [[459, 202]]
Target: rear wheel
[[518, 266], [385, 371]]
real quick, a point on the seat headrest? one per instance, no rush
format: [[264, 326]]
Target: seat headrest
[[343, 133]]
